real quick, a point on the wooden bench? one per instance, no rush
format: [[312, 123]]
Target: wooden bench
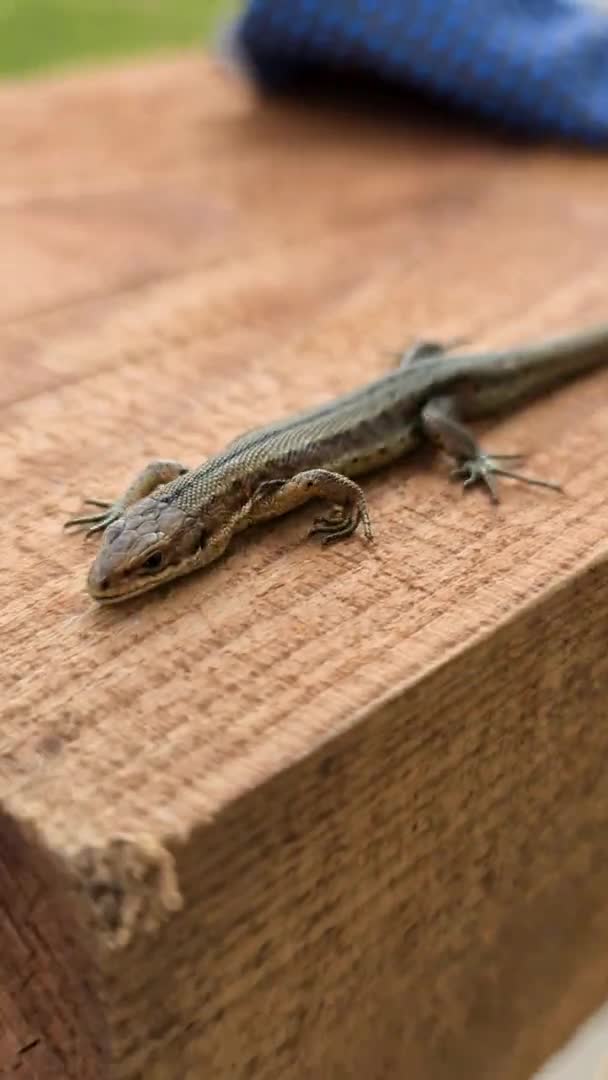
[[330, 814]]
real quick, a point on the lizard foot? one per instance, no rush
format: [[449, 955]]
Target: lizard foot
[[485, 467], [97, 522], [339, 523]]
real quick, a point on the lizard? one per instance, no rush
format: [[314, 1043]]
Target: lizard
[[173, 520]]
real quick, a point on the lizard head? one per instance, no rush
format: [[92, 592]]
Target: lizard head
[[151, 543]]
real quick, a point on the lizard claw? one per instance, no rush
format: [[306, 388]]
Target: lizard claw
[[485, 467], [339, 523], [96, 522]]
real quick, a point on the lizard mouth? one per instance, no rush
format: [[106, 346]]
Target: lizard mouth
[[106, 593], [117, 595], [103, 590], [107, 587]]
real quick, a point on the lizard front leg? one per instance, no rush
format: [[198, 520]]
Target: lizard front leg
[[152, 476], [441, 424], [276, 497]]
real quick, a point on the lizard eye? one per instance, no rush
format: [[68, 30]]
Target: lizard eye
[[153, 562]]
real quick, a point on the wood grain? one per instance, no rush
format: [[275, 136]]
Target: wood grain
[[312, 813]]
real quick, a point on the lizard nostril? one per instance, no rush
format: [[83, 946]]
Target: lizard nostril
[[99, 581]]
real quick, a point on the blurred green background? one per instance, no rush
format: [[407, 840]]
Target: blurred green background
[[38, 35]]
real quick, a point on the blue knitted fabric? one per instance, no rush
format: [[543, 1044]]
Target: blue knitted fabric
[[540, 66]]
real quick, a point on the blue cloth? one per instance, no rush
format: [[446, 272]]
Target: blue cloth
[[539, 66]]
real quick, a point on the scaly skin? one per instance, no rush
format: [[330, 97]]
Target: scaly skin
[[173, 520]]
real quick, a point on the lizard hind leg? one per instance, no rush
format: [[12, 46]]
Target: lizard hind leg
[[472, 464], [422, 350], [485, 467]]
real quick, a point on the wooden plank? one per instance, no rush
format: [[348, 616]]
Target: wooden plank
[[331, 813]]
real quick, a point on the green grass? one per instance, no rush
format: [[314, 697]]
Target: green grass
[[36, 35]]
